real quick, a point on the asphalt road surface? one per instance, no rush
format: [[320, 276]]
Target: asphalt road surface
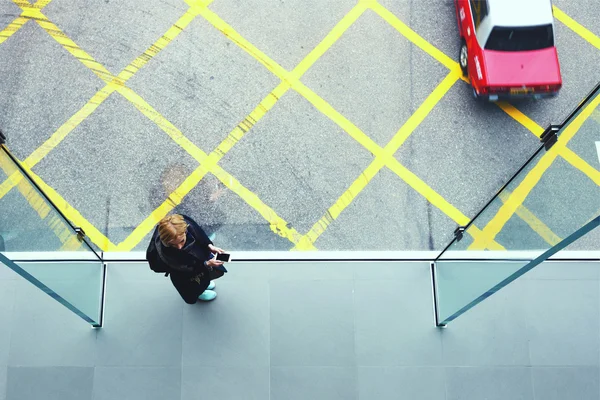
[[280, 125]]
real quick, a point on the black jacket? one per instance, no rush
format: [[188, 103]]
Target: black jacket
[[191, 277], [188, 261]]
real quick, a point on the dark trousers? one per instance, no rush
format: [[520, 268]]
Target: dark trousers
[[190, 287]]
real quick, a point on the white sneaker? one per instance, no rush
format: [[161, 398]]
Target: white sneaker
[[207, 295], [211, 286]]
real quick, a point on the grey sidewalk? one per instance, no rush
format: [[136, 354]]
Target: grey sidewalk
[[335, 330]]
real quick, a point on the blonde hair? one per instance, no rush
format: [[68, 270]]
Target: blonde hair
[[171, 227]]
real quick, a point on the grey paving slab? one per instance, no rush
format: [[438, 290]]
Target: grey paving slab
[[134, 333], [563, 322], [319, 383], [7, 299], [7, 273], [553, 383], [50, 383], [79, 283], [204, 84], [115, 33], [493, 383], [226, 383], [231, 331], [394, 324], [246, 271], [466, 150], [3, 372], [492, 333], [390, 383], [459, 283], [310, 271], [65, 340], [375, 85], [285, 31], [588, 271], [388, 215], [96, 171], [296, 148], [137, 383], [403, 271], [312, 323], [44, 86]]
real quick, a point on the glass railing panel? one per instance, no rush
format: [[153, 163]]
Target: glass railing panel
[[554, 195], [42, 246]]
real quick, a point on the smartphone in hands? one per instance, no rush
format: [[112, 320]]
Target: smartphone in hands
[[225, 257]]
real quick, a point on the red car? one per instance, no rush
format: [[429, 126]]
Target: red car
[[507, 48]]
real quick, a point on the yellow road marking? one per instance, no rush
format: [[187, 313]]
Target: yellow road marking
[[572, 158], [167, 206], [308, 240], [534, 222], [160, 44], [596, 116], [521, 118], [416, 39], [112, 82], [576, 27], [532, 178], [566, 153], [208, 163], [235, 37], [277, 224], [12, 28], [57, 225], [72, 214], [384, 157]]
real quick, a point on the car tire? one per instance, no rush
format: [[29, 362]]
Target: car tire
[[463, 58]]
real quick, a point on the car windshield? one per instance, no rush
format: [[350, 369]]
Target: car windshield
[[520, 39]]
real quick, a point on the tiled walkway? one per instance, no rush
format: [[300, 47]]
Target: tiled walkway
[[306, 331]]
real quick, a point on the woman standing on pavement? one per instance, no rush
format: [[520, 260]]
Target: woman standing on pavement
[[190, 256]]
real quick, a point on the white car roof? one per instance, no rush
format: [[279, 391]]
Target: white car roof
[[515, 13]]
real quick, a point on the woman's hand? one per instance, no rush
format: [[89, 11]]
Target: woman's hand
[[213, 262], [215, 249]]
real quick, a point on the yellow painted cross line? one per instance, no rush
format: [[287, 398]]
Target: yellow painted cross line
[[72, 214], [576, 27], [101, 95], [208, 163], [532, 178], [53, 220], [572, 158], [12, 28], [18, 23], [278, 225], [235, 37], [329, 40], [534, 222], [384, 157], [160, 44], [112, 84], [521, 118], [415, 38], [567, 154]]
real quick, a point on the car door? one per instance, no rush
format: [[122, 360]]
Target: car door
[[478, 10]]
